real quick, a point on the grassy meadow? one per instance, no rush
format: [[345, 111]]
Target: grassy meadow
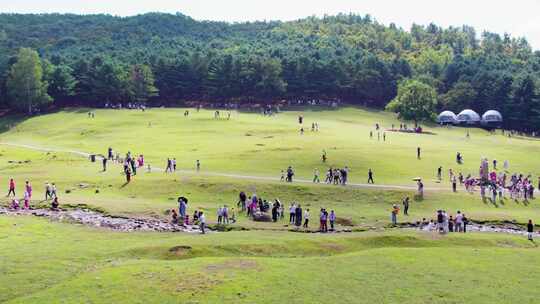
[[45, 262]]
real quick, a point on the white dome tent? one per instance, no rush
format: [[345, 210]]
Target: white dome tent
[[468, 117], [492, 117], [447, 117]]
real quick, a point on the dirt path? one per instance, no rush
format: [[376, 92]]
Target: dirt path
[[231, 175]]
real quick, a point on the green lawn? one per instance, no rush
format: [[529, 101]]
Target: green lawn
[[223, 146], [44, 262], [152, 194], [51, 263], [257, 145]]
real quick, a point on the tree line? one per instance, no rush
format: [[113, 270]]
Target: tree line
[[166, 59]]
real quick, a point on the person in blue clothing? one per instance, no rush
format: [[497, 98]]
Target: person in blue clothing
[[182, 207]]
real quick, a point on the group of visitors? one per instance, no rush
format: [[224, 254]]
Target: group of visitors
[[253, 204], [494, 184], [287, 175], [445, 223], [314, 102], [129, 105], [297, 216], [50, 194], [334, 176], [171, 165], [130, 163], [130, 167], [226, 216], [182, 218]]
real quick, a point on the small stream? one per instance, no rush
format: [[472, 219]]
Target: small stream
[[126, 224]]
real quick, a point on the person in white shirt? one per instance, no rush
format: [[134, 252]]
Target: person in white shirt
[[459, 222], [306, 218], [202, 222], [53, 191]]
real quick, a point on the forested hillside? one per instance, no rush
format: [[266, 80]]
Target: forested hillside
[[165, 58]]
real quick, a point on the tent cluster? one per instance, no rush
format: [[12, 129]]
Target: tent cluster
[[469, 117]]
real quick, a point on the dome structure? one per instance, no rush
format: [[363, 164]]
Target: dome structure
[[492, 116], [447, 117], [468, 117]]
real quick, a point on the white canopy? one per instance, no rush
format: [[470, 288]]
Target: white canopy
[[447, 117], [468, 116], [492, 116]]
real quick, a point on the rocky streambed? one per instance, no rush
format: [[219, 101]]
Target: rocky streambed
[[504, 227], [97, 219]]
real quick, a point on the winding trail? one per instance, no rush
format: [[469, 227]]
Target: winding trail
[[231, 175]]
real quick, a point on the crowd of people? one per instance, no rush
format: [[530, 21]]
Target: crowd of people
[[298, 217], [50, 195], [495, 183], [445, 222]]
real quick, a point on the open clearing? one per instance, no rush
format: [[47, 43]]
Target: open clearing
[[43, 262]]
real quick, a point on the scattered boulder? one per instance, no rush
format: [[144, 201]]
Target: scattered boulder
[[261, 217], [344, 221]]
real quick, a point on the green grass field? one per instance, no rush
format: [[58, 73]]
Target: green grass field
[[43, 262], [61, 263]]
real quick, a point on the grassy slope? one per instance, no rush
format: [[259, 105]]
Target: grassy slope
[[251, 143], [152, 194], [45, 262], [223, 147], [41, 262]]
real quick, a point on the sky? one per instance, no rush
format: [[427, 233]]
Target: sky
[[518, 17]]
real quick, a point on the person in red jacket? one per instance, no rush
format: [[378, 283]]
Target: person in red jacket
[[11, 187]]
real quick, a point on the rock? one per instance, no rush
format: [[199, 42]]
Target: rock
[[261, 217]]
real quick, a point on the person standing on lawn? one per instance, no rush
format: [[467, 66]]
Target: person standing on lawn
[[298, 215], [28, 189], [48, 191], [128, 175], [316, 178], [11, 187], [306, 218], [332, 218], [182, 207], [202, 222], [395, 211], [530, 230], [53, 190], [406, 206], [370, 177]]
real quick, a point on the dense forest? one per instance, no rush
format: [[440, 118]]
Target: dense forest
[[166, 59]]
